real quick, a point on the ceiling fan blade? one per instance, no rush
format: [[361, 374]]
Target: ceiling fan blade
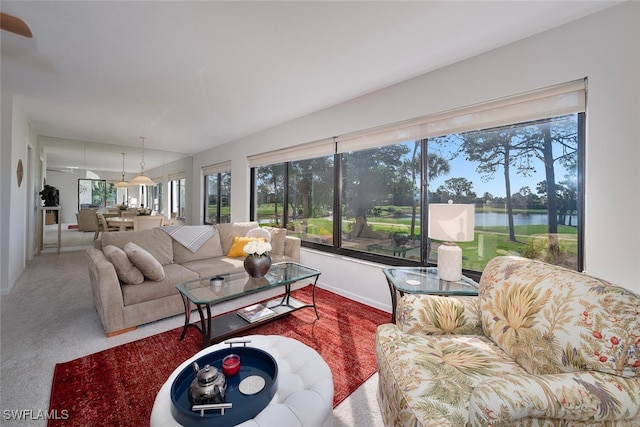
[[14, 25]]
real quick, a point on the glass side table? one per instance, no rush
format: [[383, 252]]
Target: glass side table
[[424, 280]]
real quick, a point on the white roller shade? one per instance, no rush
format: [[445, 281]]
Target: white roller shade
[[554, 101], [217, 168], [176, 176], [324, 147]]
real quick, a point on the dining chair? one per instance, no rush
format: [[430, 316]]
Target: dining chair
[[104, 225], [146, 222], [129, 214]]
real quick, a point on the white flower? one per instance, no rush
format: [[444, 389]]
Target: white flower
[[257, 247]]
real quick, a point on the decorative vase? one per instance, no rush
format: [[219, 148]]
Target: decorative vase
[[257, 265]]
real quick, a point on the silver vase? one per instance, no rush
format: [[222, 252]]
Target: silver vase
[[257, 266]]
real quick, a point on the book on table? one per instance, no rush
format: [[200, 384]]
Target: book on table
[[255, 313]]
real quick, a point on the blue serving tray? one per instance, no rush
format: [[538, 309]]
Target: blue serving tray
[[253, 361]]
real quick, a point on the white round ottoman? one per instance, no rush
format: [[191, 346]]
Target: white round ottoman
[[304, 395]]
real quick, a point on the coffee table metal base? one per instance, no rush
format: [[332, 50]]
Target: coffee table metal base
[[215, 329]]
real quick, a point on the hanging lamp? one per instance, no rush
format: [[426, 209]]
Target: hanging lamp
[[122, 183], [142, 179]]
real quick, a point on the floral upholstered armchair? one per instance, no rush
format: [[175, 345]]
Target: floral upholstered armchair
[[539, 346]]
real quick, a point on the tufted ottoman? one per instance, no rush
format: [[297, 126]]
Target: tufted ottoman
[[304, 395]]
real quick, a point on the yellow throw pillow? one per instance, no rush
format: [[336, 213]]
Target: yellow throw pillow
[[238, 245]]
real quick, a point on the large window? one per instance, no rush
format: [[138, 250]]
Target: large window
[[518, 161], [154, 200], [217, 196], [523, 180], [269, 194], [95, 193], [381, 200], [177, 197]]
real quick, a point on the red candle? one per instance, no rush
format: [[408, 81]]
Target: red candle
[[231, 365]]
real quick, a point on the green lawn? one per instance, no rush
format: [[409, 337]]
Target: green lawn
[[531, 241]]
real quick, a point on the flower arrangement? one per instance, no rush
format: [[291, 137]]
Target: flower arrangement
[[257, 248], [123, 207]]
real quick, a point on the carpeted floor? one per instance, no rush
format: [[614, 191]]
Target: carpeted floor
[[49, 318], [98, 387]]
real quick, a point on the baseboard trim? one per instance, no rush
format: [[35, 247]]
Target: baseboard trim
[[121, 331]]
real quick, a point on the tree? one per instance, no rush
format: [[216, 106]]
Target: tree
[[311, 187], [271, 186], [495, 149], [368, 177], [457, 189]]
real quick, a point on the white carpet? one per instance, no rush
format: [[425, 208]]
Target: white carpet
[[49, 318]]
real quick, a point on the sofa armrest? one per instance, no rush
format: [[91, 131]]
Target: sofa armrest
[[436, 315], [292, 248], [585, 396], [106, 291]]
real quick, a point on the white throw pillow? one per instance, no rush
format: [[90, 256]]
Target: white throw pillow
[[259, 232]]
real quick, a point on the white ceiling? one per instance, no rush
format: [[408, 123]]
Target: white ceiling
[[190, 75]]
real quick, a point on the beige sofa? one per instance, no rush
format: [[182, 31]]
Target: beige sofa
[[123, 306], [540, 346]]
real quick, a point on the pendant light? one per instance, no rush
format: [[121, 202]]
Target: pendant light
[[122, 183], [142, 179]]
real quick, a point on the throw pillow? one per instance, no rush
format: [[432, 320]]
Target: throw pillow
[[150, 267], [238, 245], [126, 271], [278, 238], [259, 232]]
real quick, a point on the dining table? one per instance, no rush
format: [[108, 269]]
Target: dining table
[[122, 222]]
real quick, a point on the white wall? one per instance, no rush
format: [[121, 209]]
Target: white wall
[[5, 187], [604, 47], [14, 215]]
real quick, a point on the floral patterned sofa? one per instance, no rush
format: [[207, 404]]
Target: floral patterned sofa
[[540, 346]]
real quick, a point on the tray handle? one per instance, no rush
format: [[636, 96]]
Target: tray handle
[[237, 341], [206, 407]]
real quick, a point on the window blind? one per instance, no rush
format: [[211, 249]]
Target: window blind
[[324, 147], [176, 176], [217, 168], [567, 98]]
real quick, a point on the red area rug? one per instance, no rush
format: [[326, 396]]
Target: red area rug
[[117, 387]]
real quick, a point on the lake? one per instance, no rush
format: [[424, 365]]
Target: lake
[[496, 219]]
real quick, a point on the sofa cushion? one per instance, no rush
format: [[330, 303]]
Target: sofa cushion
[[215, 266], [278, 238], [438, 372], [150, 267], [150, 290], [228, 230], [210, 249], [239, 243], [126, 271], [155, 241]]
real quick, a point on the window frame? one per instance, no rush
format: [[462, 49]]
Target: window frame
[[219, 185], [574, 91]]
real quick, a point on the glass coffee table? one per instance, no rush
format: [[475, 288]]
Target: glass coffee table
[[206, 292], [424, 280]]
